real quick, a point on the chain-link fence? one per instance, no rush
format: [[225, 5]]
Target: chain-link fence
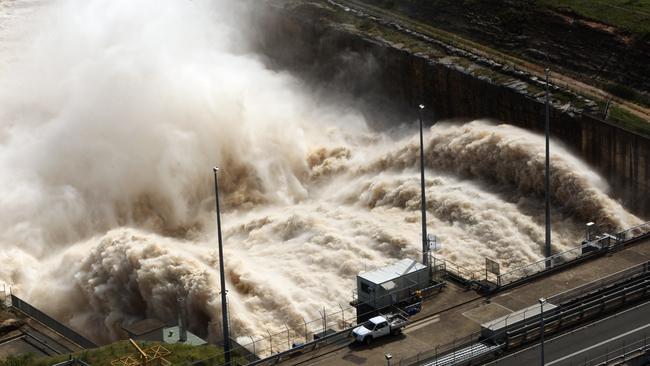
[[333, 326]]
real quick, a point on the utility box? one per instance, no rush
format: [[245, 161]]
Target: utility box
[[392, 284]]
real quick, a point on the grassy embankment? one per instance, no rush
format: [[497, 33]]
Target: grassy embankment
[[180, 355], [630, 15]]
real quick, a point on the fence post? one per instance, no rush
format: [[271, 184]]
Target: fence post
[[288, 336], [270, 340], [342, 316], [453, 347], [253, 341], [306, 337]]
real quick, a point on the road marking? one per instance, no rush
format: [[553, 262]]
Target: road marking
[[496, 303], [435, 319], [558, 337], [599, 344]]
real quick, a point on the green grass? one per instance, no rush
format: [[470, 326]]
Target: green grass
[[181, 354], [632, 15], [629, 121], [627, 93]]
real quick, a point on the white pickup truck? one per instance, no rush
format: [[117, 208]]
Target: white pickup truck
[[379, 326]]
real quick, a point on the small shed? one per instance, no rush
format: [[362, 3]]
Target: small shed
[[392, 284]]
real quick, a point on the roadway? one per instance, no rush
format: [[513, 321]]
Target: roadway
[[588, 344], [456, 313]]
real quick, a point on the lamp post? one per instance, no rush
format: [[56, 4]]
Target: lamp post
[[224, 302], [425, 244], [542, 301], [547, 173]]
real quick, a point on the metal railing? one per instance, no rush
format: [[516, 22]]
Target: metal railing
[[625, 353], [634, 232], [595, 300], [611, 297], [333, 326], [601, 244], [72, 362], [33, 312], [536, 267], [620, 276], [444, 349]]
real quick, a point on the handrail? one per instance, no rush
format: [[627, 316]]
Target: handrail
[[47, 320]]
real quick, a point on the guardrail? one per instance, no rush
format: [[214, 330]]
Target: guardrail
[[444, 349], [624, 354], [28, 309], [582, 303], [456, 271], [600, 245], [561, 318], [309, 347], [592, 286], [72, 362], [513, 277], [541, 265]]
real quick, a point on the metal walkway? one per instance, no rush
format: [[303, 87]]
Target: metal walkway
[[465, 355]]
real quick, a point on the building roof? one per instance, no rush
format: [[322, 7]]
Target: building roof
[[143, 327], [377, 319], [172, 335], [393, 271], [517, 316]]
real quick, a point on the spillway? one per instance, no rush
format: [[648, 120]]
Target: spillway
[[113, 113]]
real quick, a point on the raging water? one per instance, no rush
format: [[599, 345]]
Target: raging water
[[112, 115]]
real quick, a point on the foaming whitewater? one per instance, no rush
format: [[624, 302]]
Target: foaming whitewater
[[112, 114]]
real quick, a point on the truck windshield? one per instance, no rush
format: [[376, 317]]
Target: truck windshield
[[369, 325]]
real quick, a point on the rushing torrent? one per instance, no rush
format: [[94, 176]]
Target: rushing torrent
[[112, 115]]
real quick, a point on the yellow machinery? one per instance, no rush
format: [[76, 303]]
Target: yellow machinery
[[152, 356]]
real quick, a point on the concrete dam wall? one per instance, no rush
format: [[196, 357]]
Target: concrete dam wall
[[389, 81]]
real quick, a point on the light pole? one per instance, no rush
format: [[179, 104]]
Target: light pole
[[547, 173], [224, 302], [542, 301], [425, 244]]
